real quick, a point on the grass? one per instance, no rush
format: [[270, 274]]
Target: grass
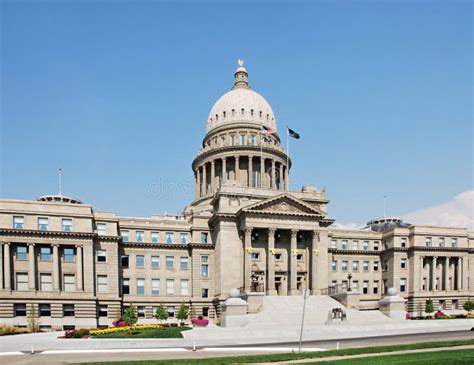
[[169, 332], [312, 355]]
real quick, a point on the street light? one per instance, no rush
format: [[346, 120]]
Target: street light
[[349, 277]]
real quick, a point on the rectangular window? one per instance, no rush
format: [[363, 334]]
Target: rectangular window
[[169, 262], [252, 140], [278, 256], [45, 253], [366, 266], [68, 310], [299, 257], [441, 242], [403, 263], [169, 237], [365, 287], [154, 237], [355, 266], [375, 288], [203, 237], [242, 139], [20, 310], [67, 225], [334, 244], [125, 286], [403, 285], [454, 242], [385, 286], [103, 310], [101, 229], [365, 246], [140, 261], [183, 263], [376, 245], [344, 245], [170, 310], [183, 238], [205, 266], [205, 311], [403, 242], [43, 224], [169, 286], [355, 244], [125, 261], [428, 241], [155, 287], [18, 222], [68, 254], [355, 285], [204, 293], [101, 255], [140, 286], [22, 253], [232, 140], [344, 266], [44, 310], [102, 286], [385, 265], [125, 235], [376, 266], [140, 311], [69, 282], [46, 282], [155, 262], [255, 256], [344, 285], [21, 281], [334, 265], [140, 236], [184, 287]]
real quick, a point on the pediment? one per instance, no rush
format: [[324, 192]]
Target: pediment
[[284, 204]]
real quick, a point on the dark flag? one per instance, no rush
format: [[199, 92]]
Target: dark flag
[[293, 134], [267, 130]]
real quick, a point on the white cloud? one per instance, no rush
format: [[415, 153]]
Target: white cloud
[[348, 226], [458, 212]]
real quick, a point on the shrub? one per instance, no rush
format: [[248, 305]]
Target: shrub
[[120, 323], [130, 315], [132, 329], [12, 330], [182, 313], [161, 313], [429, 307], [408, 316], [468, 306], [439, 314]]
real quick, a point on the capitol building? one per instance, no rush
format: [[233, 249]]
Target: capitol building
[[245, 229]]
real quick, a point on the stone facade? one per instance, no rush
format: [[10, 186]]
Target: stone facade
[[245, 229]]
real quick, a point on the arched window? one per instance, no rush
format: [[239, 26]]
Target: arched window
[[217, 117], [233, 112], [260, 113], [242, 111], [251, 111], [223, 113]]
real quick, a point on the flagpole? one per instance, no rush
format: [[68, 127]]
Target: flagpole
[[261, 155], [287, 160]]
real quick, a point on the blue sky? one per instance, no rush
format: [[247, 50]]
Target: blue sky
[[118, 93]]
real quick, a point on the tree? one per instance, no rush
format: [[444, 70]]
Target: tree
[[161, 313], [469, 306], [429, 307], [182, 313], [33, 321], [130, 315]]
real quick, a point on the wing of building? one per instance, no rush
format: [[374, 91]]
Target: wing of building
[[245, 229]]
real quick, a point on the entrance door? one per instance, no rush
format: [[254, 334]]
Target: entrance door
[[278, 285]]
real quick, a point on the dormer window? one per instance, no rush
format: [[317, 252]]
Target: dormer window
[[223, 113]]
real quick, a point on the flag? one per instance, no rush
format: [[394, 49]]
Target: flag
[[293, 134], [267, 130], [266, 139]]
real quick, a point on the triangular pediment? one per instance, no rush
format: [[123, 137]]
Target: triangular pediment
[[284, 204]]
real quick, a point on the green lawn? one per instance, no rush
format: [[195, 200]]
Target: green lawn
[[170, 332], [323, 354]]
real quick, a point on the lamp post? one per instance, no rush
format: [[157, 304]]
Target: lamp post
[[349, 277]]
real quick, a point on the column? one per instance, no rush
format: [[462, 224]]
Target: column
[[422, 272], [287, 187], [293, 263], [465, 273], [262, 171], [55, 267], [237, 168], [273, 185], [250, 183], [6, 257], [204, 180], [281, 177], [247, 259], [199, 187], [31, 267], [314, 257], [79, 268], [224, 169], [271, 262], [446, 274], [213, 176], [458, 273], [433, 274], [1, 268]]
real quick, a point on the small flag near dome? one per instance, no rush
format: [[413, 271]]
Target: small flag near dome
[[293, 134], [267, 130]]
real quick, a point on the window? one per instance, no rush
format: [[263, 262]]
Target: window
[[366, 266], [376, 245], [299, 257], [68, 255], [169, 237], [154, 237], [124, 261], [204, 293], [454, 242], [255, 256], [355, 285], [20, 310], [334, 244], [365, 246], [242, 139], [101, 256], [355, 266], [183, 238], [46, 282], [140, 311], [334, 265], [355, 244], [403, 263], [205, 266], [169, 286], [45, 253], [428, 241], [205, 311], [102, 283], [344, 266], [125, 286], [170, 310], [183, 263], [140, 261], [18, 222], [365, 287], [375, 288], [203, 237], [441, 242], [403, 242], [385, 286], [155, 262], [278, 256], [252, 140], [67, 225], [385, 265], [403, 284], [344, 285], [21, 253], [125, 236], [455, 304], [68, 310], [184, 287], [140, 236], [376, 266], [43, 224], [103, 310], [69, 282], [344, 245], [44, 310], [21, 281], [232, 140], [101, 229], [155, 287], [169, 262], [140, 286]]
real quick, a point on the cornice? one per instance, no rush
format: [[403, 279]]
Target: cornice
[[354, 252], [169, 246], [52, 234]]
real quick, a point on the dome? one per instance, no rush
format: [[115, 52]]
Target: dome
[[241, 104]]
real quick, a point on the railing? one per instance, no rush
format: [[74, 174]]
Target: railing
[[334, 289]]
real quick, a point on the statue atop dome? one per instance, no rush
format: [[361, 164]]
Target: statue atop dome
[[241, 76], [240, 62]]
